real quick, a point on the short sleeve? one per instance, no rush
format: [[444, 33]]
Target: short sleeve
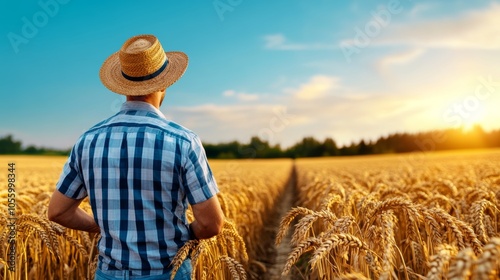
[[198, 180], [71, 180]]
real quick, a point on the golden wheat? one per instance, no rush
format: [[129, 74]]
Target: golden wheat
[[45, 250], [379, 217], [431, 218]]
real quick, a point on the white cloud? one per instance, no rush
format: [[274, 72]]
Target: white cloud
[[343, 116], [400, 58], [247, 97], [310, 109], [420, 8], [477, 29], [218, 123], [280, 42], [228, 93], [317, 87], [241, 96]]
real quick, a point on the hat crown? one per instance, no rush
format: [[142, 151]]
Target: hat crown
[[138, 46], [141, 56]]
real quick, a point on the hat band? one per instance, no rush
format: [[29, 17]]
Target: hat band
[[147, 77]]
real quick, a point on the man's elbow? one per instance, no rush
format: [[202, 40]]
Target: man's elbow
[[213, 229], [52, 215]]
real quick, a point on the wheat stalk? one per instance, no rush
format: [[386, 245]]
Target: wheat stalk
[[486, 262], [304, 246], [438, 261], [285, 222], [181, 256], [334, 241], [461, 267]]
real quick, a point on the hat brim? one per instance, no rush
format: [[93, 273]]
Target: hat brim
[[111, 75]]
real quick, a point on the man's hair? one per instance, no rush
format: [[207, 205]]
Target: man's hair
[[137, 98]]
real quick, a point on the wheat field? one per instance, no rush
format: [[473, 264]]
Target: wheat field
[[410, 216], [416, 216], [45, 250]]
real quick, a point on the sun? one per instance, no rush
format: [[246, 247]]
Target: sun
[[471, 122]]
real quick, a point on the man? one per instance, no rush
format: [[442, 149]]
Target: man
[[139, 171]]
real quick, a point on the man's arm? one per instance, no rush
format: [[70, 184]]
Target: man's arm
[[64, 211], [209, 218]]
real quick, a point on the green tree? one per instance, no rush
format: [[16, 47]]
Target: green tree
[[330, 147], [9, 146]]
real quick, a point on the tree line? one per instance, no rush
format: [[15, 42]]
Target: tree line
[[310, 147], [436, 140], [10, 146]]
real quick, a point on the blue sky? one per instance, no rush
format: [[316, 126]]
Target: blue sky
[[280, 69]]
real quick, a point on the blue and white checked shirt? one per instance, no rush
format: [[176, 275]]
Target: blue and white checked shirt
[[140, 171]]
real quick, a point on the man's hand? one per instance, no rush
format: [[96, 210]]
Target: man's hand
[[209, 218], [64, 211]]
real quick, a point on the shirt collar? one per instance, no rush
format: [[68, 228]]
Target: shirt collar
[[141, 106]]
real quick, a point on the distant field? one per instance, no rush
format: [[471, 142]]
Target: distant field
[[405, 216]]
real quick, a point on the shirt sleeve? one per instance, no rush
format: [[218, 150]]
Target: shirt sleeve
[[199, 182], [71, 180]]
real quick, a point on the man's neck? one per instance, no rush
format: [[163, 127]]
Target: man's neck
[[153, 99]]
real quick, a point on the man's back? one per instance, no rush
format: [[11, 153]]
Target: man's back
[[138, 169]]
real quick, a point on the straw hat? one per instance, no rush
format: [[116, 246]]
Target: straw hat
[[142, 67]]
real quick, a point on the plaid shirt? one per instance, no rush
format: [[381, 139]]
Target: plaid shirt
[[139, 171]]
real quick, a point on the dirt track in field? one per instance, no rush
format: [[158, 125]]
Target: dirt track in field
[[277, 255]]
